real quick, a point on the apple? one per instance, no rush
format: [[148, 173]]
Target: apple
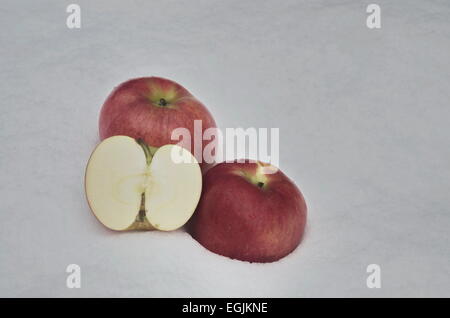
[[150, 108], [247, 214], [131, 186]]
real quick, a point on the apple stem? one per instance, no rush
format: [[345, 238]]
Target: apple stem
[[260, 184], [147, 151], [141, 215], [162, 102]]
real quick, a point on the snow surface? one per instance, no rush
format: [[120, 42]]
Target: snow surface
[[364, 120]]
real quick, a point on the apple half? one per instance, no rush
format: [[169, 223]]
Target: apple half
[[131, 186]]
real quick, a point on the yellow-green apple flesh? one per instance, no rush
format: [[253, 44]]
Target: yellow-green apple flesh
[[150, 108], [130, 186], [248, 215]]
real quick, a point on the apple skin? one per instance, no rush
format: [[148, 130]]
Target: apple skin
[[238, 219], [134, 109]]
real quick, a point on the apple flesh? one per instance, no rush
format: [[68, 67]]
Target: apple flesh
[[131, 186], [247, 214], [150, 108]]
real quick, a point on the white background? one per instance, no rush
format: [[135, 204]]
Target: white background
[[364, 119]]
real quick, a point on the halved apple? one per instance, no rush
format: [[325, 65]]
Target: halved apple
[[131, 186]]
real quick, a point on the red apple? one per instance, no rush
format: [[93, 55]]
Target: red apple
[[150, 108], [248, 215]]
